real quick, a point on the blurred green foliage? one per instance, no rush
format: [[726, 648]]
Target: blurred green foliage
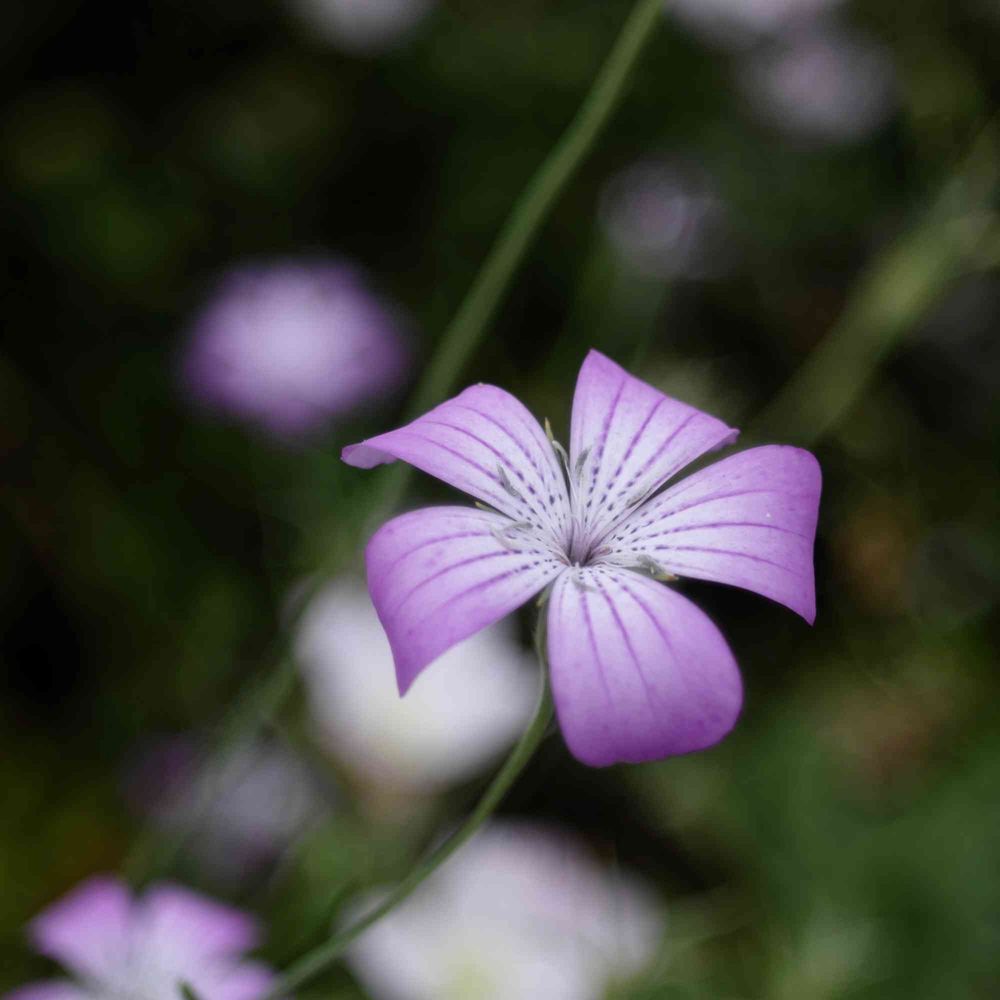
[[843, 843]]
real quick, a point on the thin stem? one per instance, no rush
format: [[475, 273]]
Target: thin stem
[[896, 290], [316, 961], [254, 709], [522, 225], [251, 713]]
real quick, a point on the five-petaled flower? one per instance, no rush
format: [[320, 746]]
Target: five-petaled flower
[[144, 948], [637, 671]]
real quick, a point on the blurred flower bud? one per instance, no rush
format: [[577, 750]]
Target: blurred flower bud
[[741, 23], [362, 26], [240, 810], [826, 84], [521, 911], [291, 344], [456, 718], [663, 219]]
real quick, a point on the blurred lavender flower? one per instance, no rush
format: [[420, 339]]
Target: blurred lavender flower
[[120, 946], [827, 84], [470, 708], [741, 23], [522, 911], [638, 671], [663, 219], [363, 26], [241, 811], [290, 344]]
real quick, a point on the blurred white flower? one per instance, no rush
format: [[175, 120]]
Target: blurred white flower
[[828, 84], [663, 219], [240, 810], [362, 26], [454, 720], [741, 23], [521, 912]]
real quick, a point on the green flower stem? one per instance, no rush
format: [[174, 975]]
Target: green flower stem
[[256, 707], [895, 292], [456, 347], [252, 712], [519, 231], [318, 960]]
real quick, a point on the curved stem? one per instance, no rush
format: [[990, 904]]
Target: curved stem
[[320, 958], [896, 290], [522, 225], [256, 706]]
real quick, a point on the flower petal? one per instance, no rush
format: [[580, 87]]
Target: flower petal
[[53, 989], [749, 521], [183, 929], [438, 575], [470, 707], [87, 930], [638, 672], [627, 439], [486, 443]]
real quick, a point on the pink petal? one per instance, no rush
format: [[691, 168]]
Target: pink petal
[[87, 930], [183, 928], [638, 672], [749, 521], [52, 990], [486, 443], [628, 438], [438, 575]]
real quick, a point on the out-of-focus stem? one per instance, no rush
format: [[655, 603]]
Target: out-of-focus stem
[[900, 285], [316, 961], [256, 706], [532, 208]]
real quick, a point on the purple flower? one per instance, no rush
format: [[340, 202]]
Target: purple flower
[[739, 24], [290, 344], [240, 809], [638, 672], [826, 83], [663, 218], [119, 946]]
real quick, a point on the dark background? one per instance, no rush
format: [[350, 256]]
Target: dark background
[[843, 842]]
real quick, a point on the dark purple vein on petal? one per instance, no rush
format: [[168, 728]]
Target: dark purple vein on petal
[[483, 584], [503, 457], [725, 524], [662, 515], [443, 572], [628, 645], [427, 542], [728, 552], [544, 473], [593, 647]]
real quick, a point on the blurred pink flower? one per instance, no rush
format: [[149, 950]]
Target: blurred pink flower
[[827, 83], [291, 344], [741, 23], [472, 706], [638, 672], [120, 946], [663, 219], [522, 911], [239, 811], [362, 26]]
